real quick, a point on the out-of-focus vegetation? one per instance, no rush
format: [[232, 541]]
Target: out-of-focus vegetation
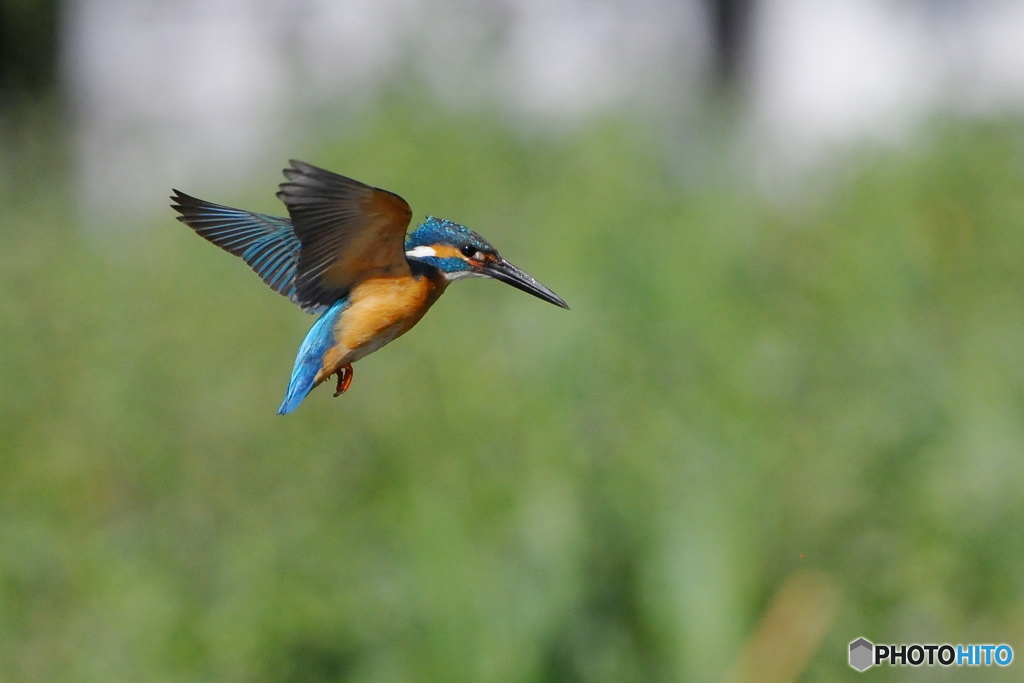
[[744, 398]]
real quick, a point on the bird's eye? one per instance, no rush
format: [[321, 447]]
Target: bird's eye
[[468, 250]]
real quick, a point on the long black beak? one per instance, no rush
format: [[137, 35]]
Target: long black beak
[[507, 273]]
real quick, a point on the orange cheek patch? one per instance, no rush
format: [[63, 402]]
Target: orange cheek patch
[[446, 251]]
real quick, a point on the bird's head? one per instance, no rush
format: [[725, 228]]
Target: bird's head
[[458, 252]]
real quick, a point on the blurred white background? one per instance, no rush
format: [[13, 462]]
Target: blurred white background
[[203, 90]]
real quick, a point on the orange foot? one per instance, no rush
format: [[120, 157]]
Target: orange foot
[[344, 379]]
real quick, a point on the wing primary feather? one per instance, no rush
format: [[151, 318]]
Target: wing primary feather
[[347, 230], [267, 243]]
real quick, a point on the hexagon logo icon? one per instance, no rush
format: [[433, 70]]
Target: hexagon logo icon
[[861, 651]]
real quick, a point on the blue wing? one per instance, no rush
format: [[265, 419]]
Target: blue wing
[[267, 243], [318, 341]]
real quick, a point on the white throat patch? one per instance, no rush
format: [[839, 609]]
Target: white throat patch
[[459, 274]]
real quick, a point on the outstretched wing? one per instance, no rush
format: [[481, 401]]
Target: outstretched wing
[[267, 243], [347, 231]]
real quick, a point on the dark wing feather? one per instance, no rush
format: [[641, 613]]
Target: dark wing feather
[[347, 230], [267, 243]]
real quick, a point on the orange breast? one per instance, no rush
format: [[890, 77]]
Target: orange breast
[[382, 309]]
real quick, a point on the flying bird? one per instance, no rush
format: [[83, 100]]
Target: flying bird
[[343, 253]]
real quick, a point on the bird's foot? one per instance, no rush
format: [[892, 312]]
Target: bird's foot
[[344, 379]]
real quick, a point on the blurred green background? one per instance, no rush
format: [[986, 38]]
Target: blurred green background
[[741, 395], [765, 428]]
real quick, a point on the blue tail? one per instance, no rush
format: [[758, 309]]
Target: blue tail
[[318, 341]]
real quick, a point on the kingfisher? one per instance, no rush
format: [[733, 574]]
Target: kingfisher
[[343, 253]]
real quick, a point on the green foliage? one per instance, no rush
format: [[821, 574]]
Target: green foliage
[[512, 491]]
